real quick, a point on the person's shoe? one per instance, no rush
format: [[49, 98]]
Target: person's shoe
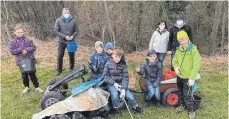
[[26, 90], [180, 108], [58, 73], [70, 71], [158, 104], [112, 111], [192, 115], [139, 110], [39, 90]]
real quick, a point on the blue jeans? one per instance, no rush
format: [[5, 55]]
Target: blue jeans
[[153, 92], [161, 57], [172, 55], [115, 97]]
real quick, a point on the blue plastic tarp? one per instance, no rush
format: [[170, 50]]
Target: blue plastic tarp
[[84, 86]]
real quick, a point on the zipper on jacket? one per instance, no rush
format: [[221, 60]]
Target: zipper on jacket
[[115, 67]]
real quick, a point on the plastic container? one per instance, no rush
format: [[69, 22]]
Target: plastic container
[[169, 75], [197, 100], [27, 65], [72, 46]]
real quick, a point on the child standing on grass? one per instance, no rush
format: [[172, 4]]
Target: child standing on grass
[[186, 63], [153, 74], [116, 76], [22, 48]]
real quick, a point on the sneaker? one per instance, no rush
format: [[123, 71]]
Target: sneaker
[[180, 108], [112, 111], [158, 104], [192, 115], [39, 90], [70, 71], [139, 110], [26, 90]]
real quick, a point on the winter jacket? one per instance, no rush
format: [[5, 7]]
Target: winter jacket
[[116, 73], [19, 44], [173, 43], [153, 72], [98, 61], [191, 63], [65, 27], [159, 41]]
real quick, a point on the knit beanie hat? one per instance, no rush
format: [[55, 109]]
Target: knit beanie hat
[[98, 43], [181, 35], [109, 45]]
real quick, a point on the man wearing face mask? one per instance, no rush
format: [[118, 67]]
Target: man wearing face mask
[[66, 29], [173, 42]]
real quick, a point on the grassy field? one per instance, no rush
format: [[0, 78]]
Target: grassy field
[[213, 88]]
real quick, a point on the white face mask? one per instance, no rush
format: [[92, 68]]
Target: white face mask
[[66, 15], [180, 22], [162, 27]]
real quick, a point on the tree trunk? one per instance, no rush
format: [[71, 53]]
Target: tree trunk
[[223, 28], [215, 26], [108, 21], [7, 23], [140, 7], [88, 18], [7, 26]]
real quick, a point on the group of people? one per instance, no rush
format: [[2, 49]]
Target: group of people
[[109, 61]]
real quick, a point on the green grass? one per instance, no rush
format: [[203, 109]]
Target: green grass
[[15, 105]]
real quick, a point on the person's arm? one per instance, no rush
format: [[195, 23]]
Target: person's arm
[[142, 70], [107, 78], [75, 33], [159, 76], [147, 81], [170, 39], [13, 50], [151, 44], [31, 48], [93, 63], [175, 61], [125, 78], [57, 30], [195, 64]]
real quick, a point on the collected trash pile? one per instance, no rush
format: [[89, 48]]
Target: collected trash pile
[[88, 103]]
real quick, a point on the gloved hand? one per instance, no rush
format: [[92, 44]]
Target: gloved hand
[[169, 52], [190, 82], [122, 94], [155, 85], [117, 86], [94, 69], [24, 52], [177, 70], [138, 69]]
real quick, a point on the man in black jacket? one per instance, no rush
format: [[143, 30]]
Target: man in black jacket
[[66, 29], [173, 43]]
